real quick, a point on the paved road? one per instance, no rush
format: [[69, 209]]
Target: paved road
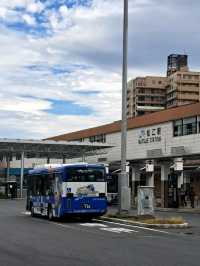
[[33, 241]]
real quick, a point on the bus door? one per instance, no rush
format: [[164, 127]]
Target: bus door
[[46, 193], [57, 194]]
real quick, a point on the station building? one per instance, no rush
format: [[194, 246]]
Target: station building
[[163, 150]]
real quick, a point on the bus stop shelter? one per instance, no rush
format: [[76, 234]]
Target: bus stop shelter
[[49, 149]]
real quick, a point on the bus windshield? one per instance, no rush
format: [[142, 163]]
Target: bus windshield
[[85, 175]]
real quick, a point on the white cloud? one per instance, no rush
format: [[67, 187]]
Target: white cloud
[[88, 43], [35, 7], [26, 105], [30, 20]]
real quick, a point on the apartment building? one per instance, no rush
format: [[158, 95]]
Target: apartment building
[[146, 95], [150, 94], [183, 87]]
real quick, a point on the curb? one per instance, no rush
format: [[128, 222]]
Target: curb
[[164, 226]]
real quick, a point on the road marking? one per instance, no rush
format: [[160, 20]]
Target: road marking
[[119, 230], [26, 213], [135, 226], [62, 225], [93, 225], [80, 229], [109, 229], [104, 227]]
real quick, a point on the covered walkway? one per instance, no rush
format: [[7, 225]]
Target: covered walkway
[[49, 149]]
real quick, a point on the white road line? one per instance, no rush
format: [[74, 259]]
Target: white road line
[[119, 230], [135, 226], [93, 225]]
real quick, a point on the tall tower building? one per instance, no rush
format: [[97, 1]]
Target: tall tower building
[[176, 62], [183, 86]]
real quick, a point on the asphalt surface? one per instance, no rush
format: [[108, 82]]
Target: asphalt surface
[[36, 241]]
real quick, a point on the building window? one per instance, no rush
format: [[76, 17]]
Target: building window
[[141, 98], [79, 140], [186, 126], [189, 126], [98, 138], [178, 128]]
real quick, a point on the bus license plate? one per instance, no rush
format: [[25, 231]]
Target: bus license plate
[[86, 206]]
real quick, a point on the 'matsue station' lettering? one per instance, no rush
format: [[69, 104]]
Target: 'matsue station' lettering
[[149, 135]]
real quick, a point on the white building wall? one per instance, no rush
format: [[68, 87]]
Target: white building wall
[[135, 150]]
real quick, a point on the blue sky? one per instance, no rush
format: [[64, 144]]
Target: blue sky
[[61, 59], [67, 107]]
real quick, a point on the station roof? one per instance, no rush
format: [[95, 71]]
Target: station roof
[[152, 119], [50, 148]]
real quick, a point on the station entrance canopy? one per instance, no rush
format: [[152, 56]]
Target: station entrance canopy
[[50, 149]]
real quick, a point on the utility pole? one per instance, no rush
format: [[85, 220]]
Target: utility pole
[[124, 190]]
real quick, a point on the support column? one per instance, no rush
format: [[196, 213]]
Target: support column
[[8, 167], [48, 160], [135, 179], [150, 179], [22, 175], [165, 170], [180, 179]]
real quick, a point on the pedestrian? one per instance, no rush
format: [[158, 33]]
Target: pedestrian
[[182, 195], [192, 196], [11, 191]]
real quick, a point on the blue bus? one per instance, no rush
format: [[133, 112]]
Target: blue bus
[[78, 189]]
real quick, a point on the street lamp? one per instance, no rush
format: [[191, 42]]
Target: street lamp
[[124, 190]]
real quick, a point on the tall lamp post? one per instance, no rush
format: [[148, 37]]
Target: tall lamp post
[[124, 190]]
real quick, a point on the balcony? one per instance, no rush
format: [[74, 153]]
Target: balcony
[[188, 96], [149, 108]]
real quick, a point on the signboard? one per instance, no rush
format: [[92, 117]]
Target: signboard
[[149, 135], [145, 200], [178, 166], [149, 167]]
